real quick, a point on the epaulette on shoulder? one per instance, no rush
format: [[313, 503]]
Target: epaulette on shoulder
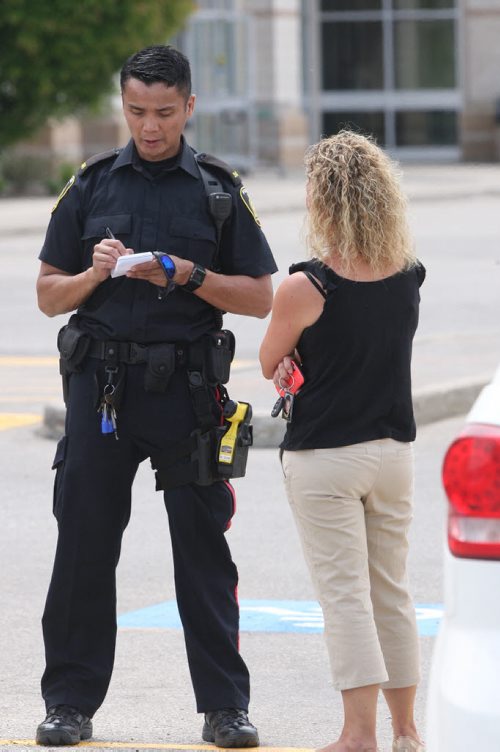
[[111, 153], [96, 158], [207, 160]]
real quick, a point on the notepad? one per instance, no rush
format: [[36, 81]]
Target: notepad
[[124, 263]]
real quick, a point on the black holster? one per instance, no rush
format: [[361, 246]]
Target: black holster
[[219, 348], [197, 459], [199, 455], [73, 345]]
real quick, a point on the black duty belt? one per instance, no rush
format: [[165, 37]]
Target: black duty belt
[[131, 352]]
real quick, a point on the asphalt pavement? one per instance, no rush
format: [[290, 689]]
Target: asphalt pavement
[[150, 704]]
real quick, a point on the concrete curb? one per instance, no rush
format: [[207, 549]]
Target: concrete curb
[[430, 405], [276, 194], [295, 205]]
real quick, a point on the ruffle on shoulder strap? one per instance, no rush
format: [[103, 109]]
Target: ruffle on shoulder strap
[[317, 269], [421, 272]]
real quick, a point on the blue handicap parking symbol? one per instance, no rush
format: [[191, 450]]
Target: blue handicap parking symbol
[[267, 616]]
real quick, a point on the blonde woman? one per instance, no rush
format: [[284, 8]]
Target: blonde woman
[[349, 315]]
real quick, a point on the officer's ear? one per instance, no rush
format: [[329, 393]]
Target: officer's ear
[[190, 105]]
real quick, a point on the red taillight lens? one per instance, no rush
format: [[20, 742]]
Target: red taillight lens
[[471, 478]]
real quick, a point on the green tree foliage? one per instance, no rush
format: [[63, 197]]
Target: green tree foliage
[[57, 56]]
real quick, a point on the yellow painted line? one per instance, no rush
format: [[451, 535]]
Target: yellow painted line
[[28, 360], [135, 745], [18, 399], [16, 420]]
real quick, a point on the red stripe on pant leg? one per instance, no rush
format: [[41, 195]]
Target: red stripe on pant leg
[[233, 496]]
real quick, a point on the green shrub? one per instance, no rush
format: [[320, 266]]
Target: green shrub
[[24, 174]]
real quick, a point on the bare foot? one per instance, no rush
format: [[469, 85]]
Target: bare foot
[[350, 746]]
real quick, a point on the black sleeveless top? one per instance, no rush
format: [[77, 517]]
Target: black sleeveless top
[[356, 361]]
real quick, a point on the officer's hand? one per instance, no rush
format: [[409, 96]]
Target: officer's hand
[[105, 254], [153, 272], [149, 272]]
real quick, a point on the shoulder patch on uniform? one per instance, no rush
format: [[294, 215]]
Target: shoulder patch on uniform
[[63, 192], [249, 205], [91, 161], [211, 161]]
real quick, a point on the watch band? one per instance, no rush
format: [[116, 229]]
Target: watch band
[[196, 279]]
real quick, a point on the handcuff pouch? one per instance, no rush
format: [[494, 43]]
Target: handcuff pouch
[[160, 367]]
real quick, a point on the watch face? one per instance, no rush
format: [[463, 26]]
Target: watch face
[[196, 279], [198, 275], [168, 265]]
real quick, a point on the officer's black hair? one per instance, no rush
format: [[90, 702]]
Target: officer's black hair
[[159, 63]]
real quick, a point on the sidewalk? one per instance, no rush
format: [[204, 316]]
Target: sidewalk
[[435, 397], [273, 193]]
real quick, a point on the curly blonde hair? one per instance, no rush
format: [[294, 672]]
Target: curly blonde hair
[[355, 205]]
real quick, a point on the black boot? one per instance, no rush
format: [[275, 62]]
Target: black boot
[[63, 725], [229, 728]]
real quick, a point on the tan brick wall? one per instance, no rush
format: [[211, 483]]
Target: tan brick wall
[[481, 78]]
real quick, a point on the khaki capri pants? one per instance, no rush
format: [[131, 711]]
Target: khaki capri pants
[[353, 508]]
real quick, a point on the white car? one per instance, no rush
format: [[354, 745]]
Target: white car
[[463, 704]]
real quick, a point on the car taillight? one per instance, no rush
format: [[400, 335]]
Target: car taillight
[[471, 478]]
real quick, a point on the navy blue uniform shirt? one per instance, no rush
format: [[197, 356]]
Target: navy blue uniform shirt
[[166, 212]]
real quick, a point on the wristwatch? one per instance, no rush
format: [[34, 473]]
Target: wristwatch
[[196, 279]]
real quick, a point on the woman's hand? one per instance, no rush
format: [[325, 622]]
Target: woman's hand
[[284, 372]]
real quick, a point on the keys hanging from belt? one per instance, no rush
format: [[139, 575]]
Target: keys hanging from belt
[[108, 418], [106, 407]]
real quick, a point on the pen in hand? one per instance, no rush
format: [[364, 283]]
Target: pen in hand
[[109, 234]]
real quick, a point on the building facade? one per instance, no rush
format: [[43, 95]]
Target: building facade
[[272, 76], [420, 75]]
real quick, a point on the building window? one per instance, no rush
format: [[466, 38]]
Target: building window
[[352, 5], [368, 123], [423, 4], [424, 54], [425, 128], [387, 68], [352, 55], [217, 58]]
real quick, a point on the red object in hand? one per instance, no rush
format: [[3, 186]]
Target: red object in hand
[[294, 382]]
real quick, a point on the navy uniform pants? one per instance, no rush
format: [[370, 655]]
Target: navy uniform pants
[[92, 498]]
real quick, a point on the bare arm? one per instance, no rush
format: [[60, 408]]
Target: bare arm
[[60, 292], [297, 305], [249, 296]]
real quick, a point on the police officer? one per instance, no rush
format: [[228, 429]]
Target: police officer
[[127, 356]]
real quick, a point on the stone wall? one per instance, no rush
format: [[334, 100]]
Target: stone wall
[[480, 67]]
